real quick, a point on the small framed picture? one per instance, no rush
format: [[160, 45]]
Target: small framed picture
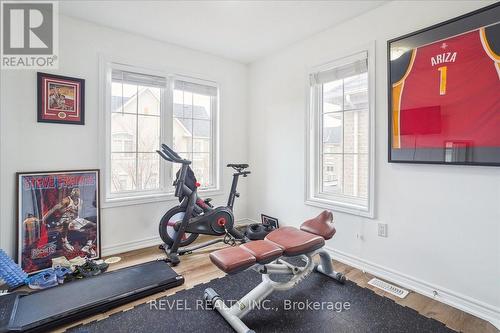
[[57, 216], [61, 99], [268, 220]]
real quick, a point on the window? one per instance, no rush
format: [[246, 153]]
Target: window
[[136, 101], [145, 109], [340, 156], [194, 106]]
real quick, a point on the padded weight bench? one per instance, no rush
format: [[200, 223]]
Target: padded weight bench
[[264, 256]]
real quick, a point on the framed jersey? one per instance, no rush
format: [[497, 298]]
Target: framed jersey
[[444, 92]]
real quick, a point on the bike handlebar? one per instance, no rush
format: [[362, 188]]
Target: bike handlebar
[[170, 155], [170, 151], [164, 156]]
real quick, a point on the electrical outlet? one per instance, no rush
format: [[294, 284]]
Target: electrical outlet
[[382, 229]]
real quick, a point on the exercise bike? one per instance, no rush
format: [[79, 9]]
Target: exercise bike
[[182, 224]]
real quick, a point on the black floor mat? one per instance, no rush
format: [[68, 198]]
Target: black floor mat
[[183, 312]]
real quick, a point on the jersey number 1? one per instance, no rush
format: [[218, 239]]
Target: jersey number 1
[[442, 80]]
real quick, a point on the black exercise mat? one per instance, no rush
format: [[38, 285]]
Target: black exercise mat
[[368, 311], [48, 308]]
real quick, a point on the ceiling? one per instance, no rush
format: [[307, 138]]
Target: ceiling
[[243, 31]]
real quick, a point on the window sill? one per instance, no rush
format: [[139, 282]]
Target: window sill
[[341, 207], [151, 198]]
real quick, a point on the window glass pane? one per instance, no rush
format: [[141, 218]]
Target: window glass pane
[[135, 127], [202, 129], [183, 104], [332, 173], [192, 132], [148, 171], [126, 94], [356, 131], [123, 132], [182, 134], [178, 97], [342, 116], [185, 110], [333, 96], [201, 168], [350, 174], [201, 145], [363, 176], [356, 92], [123, 172], [332, 132], [149, 100], [149, 133], [201, 106], [356, 175], [116, 97]]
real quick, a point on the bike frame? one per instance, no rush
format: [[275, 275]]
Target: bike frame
[[189, 201], [182, 191]]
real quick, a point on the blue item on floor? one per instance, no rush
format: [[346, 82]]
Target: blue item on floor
[[61, 273], [10, 272], [43, 280]]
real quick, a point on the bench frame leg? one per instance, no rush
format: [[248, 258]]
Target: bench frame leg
[[326, 267], [217, 303], [254, 298]]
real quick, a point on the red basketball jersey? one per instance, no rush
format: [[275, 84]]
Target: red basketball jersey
[[450, 92]]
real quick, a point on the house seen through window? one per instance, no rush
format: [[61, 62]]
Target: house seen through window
[[135, 134], [141, 111], [194, 105]]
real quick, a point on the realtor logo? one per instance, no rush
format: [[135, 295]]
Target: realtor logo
[[29, 35]]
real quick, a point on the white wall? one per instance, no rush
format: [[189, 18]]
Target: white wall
[[443, 221], [30, 146]]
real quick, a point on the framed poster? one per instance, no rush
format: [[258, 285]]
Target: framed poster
[[58, 215], [61, 99], [444, 92]]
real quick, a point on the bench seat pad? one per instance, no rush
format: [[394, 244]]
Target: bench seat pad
[[295, 242], [321, 225], [287, 241], [232, 259], [264, 251]]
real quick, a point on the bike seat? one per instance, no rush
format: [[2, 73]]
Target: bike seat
[[237, 166]]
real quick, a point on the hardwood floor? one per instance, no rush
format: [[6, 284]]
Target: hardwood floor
[[197, 268]]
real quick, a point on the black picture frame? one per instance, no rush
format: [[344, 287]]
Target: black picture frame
[[51, 189], [479, 18], [269, 220], [75, 115]]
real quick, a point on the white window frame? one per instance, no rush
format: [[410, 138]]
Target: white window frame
[[313, 195], [166, 190]]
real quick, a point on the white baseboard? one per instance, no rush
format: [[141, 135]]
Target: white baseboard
[[130, 246], [245, 221], [147, 242], [465, 303]]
